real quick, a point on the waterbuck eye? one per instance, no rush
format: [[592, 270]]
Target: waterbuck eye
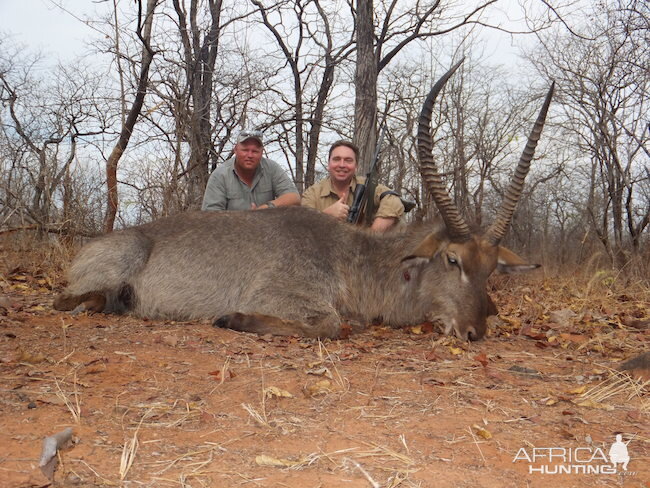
[[452, 260]]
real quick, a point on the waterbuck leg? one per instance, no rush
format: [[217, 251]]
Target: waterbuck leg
[[285, 311], [92, 302], [326, 327]]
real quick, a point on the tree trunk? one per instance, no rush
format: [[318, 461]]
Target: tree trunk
[[317, 122], [144, 32], [199, 57], [365, 81]]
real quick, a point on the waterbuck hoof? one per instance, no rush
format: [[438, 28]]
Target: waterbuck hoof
[[232, 321], [259, 324], [91, 302]]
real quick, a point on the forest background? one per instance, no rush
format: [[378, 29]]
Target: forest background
[[129, 129]]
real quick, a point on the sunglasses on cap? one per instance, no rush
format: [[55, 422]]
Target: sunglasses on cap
[[251, 134]]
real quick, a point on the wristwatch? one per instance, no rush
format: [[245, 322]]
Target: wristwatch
[[270, 204]]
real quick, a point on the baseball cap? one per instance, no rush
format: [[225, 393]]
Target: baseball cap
[[251, 134]]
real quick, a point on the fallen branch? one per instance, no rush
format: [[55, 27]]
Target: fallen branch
[[51, 445]]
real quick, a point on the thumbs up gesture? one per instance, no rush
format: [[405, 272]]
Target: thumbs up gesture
[[339, 209]]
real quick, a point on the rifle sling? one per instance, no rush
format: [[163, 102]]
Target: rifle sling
[[408, 205]]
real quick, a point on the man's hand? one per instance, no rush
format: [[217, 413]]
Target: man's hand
[[339, 209]]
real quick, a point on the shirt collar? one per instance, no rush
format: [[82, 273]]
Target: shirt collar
[[327, 189]]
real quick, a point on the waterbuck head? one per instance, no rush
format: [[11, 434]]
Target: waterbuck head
[[454, 262]]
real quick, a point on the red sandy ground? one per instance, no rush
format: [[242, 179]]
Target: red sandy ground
[[384, 407]]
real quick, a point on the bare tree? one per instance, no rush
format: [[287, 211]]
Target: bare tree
[[605, 89], [41, 129], [200, 47], [376, 49], [476, 131], [143, 29], [309, 48], [400, 93], [167, 183]]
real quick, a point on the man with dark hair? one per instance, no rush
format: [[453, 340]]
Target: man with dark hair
[[249, 181], [333, 195]]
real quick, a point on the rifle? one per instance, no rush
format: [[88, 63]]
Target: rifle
[[364, 193]]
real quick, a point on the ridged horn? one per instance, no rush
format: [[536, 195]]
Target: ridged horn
[[456, 225], [504, 215]]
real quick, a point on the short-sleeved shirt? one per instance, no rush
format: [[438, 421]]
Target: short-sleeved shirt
[[226, 191], [321, 195]]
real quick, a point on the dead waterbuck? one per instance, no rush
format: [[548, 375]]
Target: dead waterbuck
[[295, 271]]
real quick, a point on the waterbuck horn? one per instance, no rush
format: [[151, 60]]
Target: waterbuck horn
[[456, 225], [504, 215]]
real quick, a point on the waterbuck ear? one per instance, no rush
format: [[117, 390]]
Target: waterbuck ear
[[427, 249], [412, 264], [508, 262]]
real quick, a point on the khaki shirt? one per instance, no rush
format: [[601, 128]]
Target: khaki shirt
[[321, 195]]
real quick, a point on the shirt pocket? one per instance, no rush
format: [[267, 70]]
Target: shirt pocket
[[263, 193]]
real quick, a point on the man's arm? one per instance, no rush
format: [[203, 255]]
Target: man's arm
[[214, 197], [286, 200], [382, 224], [389, 210]]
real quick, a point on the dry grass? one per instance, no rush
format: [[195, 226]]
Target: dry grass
[[621, 387], [72, 400], [20, 252], [128, 455]]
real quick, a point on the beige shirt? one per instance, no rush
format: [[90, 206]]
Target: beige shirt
[[321, 195]]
